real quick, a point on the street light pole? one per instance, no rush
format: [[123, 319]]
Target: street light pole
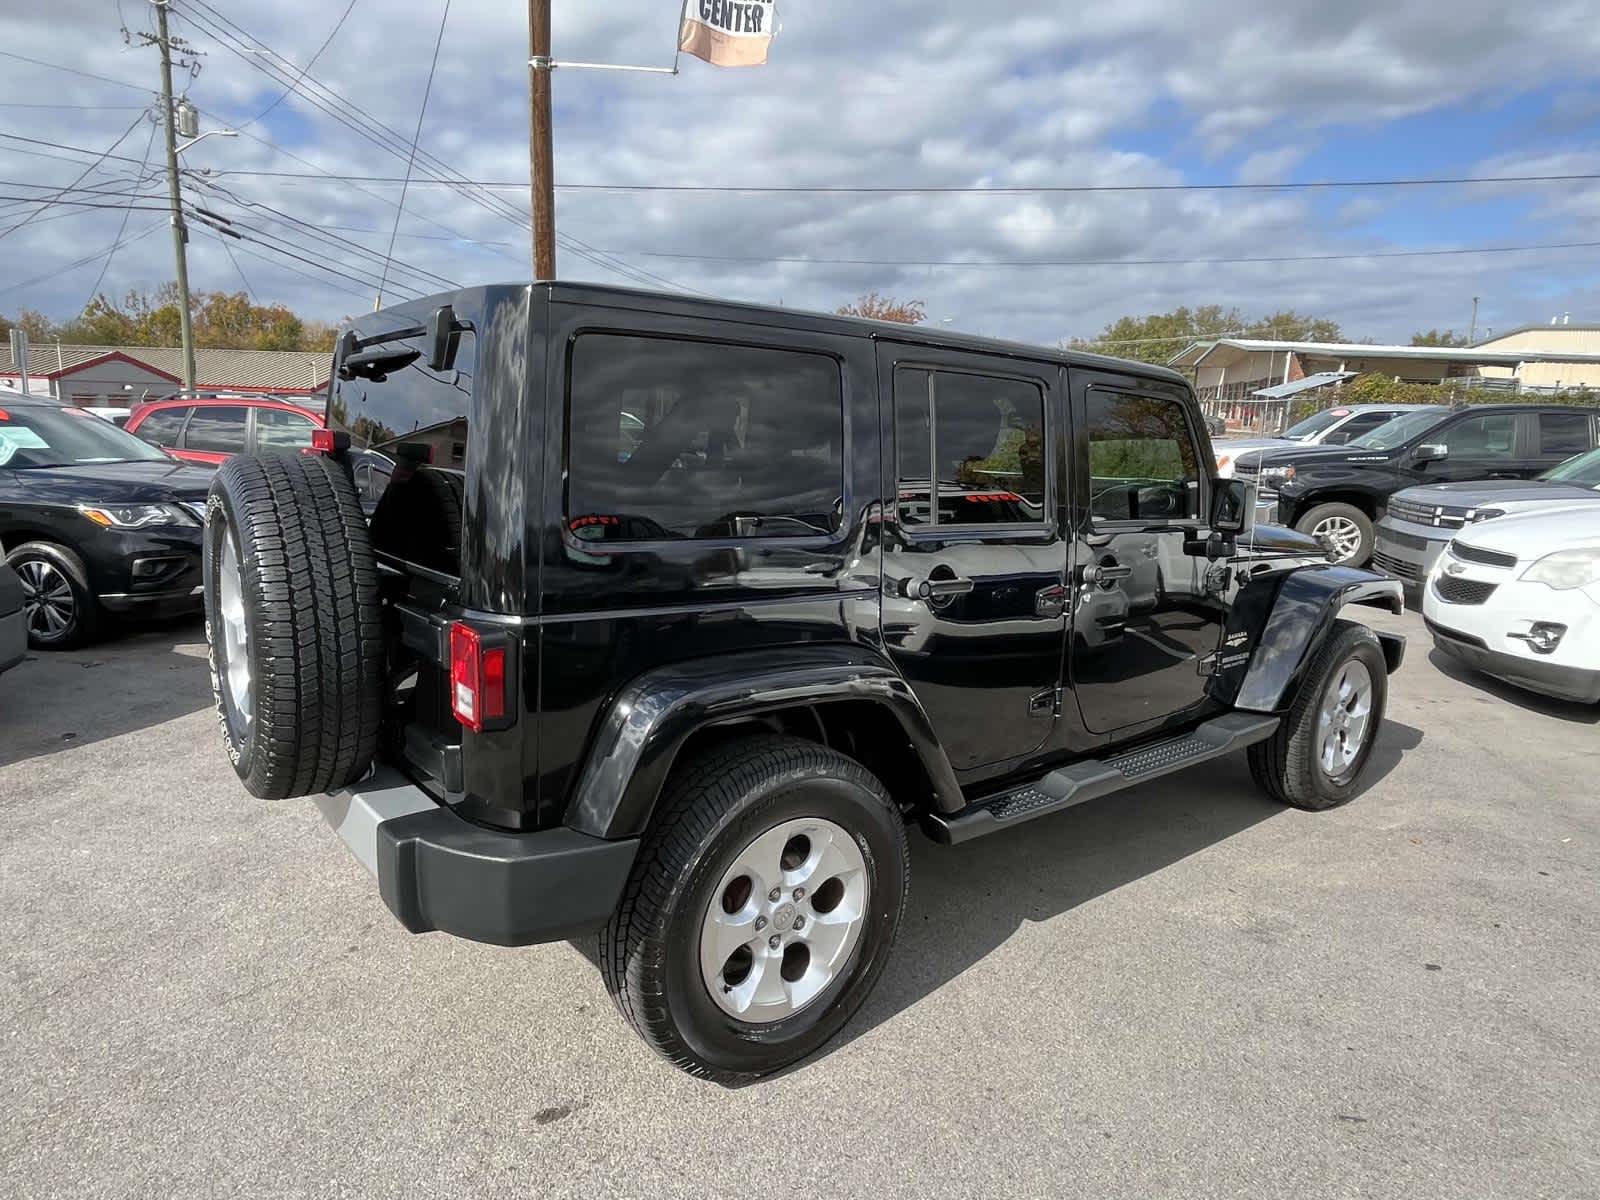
[[541, 156], [180, 233]]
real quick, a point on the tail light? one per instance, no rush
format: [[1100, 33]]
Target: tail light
[[479, 677], [322, 440]]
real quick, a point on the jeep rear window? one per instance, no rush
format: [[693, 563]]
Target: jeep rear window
[[682, 439]]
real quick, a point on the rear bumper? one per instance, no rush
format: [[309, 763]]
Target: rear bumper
[[436, 871]]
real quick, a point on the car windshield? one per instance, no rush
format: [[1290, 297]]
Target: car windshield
[[1398, 431], [1315, 424], [65, 437], [1582, 470]]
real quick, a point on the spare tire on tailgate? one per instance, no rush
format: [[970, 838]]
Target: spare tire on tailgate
[[292, 623]]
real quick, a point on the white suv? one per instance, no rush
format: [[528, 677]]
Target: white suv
[[1518, 598]]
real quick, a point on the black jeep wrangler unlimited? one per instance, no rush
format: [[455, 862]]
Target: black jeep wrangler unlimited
[[670, 616]]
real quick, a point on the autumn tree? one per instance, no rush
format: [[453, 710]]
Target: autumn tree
[[220, 320], [1439, 337], [35, 324], [882, 308], [1156, 337]]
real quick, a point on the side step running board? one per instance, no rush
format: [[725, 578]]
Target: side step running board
[[1091, 778]]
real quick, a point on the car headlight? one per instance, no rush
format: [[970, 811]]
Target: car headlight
[[1484, 514], [1566, 569], [1276, 474], [137, 516]]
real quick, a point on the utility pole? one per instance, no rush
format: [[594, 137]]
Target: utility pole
[[541, 157], [180, 232], [1472, 330]]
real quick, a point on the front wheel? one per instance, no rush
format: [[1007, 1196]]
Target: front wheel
[[1343, 529], [1315, 759], [58, 607], [761, 909]]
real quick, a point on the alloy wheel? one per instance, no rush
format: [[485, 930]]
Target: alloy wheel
[[1344, 720], [782, 923], [1340, 535], [49, 606]]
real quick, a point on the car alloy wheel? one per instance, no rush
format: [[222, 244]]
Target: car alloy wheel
[[49, 606], [1344, 719], [1340, 535], [784, 920]]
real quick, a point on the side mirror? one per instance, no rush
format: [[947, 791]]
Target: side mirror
[[1430, 453], [1232, 505]]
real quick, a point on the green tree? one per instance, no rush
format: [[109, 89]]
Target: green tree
[[1156, 337], [220, 320], [36, 325], [1439, 337], [882, 308]]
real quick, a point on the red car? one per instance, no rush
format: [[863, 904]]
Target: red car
[[209, 429]]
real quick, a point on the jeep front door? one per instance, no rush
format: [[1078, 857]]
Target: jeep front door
[[1147, 612], [974, 564]]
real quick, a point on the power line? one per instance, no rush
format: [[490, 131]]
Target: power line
[[915, 190], [87, 171], [325, 100], [1113, 262], [121, 229], [422, 111], [310, 62], [88, 258], [78, 107], [74, 71], [285, 267]]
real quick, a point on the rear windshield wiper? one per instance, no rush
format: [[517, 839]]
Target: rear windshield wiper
[[360, 357]]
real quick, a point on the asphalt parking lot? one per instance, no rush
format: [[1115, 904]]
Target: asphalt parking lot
[[1184, 990]]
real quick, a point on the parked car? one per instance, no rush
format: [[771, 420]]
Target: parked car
[[207, 430], [117, 415], [1518, 598], [1338, 493], [13, 620], [1420, 521], [94, 521], [686, 683], [1330, 427]]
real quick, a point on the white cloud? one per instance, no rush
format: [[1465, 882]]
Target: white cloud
[[934, 93]]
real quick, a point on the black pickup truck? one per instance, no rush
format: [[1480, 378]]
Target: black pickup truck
[[673, 616], [1338, 493]]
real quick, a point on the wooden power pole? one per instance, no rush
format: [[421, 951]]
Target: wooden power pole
[[180, 232], [541, 158]]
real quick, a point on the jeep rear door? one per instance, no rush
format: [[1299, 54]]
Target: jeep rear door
[[974, 563], [1147, 616]]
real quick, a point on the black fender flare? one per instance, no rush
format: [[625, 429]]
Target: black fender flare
[[650, 719], [1307, 604]]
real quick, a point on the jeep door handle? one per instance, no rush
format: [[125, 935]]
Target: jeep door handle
[[935, 589], [1094, 573]]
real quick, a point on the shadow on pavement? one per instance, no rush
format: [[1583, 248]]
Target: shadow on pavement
[[140, 675], [967, 901], [1548, 706]]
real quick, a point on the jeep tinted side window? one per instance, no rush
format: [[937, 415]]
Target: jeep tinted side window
[[1142, 461], [415, 419], [985, 435], [687, 439]]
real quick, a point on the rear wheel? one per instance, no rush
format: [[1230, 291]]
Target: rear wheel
[[58, 608], [292, 624], [1315, 759], [1343, 529], [761, 909]]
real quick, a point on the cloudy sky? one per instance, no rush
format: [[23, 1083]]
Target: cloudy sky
[[893, 93]]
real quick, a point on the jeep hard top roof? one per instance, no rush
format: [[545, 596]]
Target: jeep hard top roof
[[677, 303]]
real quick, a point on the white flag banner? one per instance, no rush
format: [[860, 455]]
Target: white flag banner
[[727, 33]]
